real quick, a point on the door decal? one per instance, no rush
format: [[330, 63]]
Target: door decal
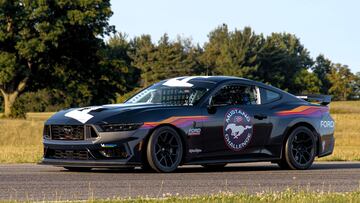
[[238, 129]]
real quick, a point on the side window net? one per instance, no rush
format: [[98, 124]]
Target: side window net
[[237, 95]]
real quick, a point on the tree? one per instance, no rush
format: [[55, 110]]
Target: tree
[[322, 68], [232, 53], [173, 59], [41, 39], [116, 59], [307, 82], [356, 86], [341, 79], [165, 60], [283, 58], [142, 54]]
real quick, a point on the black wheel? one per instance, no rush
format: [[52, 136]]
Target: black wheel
[[300, 150], [164, 150], [214, 166], [78, 169]]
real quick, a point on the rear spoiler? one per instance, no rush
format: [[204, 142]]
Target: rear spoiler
[[322, 99]]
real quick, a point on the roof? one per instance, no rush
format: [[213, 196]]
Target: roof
[[214, 79]]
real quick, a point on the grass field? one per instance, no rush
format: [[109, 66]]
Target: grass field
[[268, 197], [20, 140], [225, 197], [278, 197]]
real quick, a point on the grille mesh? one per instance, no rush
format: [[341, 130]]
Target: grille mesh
[[67, 132], [71, 154]]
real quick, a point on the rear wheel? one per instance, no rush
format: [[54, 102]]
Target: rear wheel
[[164, 150], [300, 150], [78, 169]]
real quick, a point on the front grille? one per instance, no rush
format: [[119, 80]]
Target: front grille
[[67, 132], [70, 154]]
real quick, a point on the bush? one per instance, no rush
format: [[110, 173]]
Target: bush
[[43, 100], [18, 110]]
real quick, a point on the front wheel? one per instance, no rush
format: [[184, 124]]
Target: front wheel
[[299, 150], [164, 150]]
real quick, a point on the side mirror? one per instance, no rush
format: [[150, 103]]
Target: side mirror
[[210, 107]]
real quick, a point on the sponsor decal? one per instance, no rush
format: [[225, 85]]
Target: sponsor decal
[[194, 131], [82, 114], [177, 82], [191, 151], [327, 124], [237, 129]]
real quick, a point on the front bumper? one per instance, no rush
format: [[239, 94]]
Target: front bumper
[[89, 163], [122, 149]]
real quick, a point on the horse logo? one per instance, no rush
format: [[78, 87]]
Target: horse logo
[[237, 129]]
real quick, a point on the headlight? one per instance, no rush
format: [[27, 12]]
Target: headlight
[[120, 127], [46, 132]]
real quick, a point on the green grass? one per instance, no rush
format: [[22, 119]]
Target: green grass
[[269, 197], [278, 197], [20, 140]]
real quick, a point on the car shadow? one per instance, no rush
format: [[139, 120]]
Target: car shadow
[[234, 168]]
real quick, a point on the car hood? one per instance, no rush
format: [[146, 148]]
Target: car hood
[[96, 114]]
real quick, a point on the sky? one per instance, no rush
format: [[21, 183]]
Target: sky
[[329, 27]]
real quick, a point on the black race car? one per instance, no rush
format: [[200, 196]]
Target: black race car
[[204, 120]]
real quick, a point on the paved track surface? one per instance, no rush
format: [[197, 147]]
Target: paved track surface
[[37, 182]]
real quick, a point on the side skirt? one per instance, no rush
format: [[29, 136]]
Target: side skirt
[[231, 161]]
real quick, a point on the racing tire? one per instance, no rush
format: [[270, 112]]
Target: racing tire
[[78, 169], [214, 166], [164, 150], [299, 150]]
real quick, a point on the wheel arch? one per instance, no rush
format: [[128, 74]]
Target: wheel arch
[[146, 140], [290, 129]]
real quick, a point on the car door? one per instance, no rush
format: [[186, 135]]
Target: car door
[[238, 124]]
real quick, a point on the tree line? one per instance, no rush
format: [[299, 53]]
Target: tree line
[[53, 55]]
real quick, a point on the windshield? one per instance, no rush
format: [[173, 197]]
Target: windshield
[[160, 93]]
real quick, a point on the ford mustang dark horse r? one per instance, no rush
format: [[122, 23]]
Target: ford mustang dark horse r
[[210, 121]]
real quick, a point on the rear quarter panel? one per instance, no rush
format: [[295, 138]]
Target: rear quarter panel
[[286, 117]]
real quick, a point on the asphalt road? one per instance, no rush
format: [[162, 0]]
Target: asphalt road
[[37, 182]]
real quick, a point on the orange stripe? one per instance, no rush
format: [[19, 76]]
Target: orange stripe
[[300, 110], [174, 119], [295, 110]]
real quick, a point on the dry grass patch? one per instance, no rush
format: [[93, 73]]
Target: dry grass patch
[[345, 107], [20, 140]]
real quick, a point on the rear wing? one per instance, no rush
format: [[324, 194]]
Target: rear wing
[[319, 98]]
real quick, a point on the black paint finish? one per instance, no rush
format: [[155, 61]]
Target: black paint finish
[[271, 122]]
